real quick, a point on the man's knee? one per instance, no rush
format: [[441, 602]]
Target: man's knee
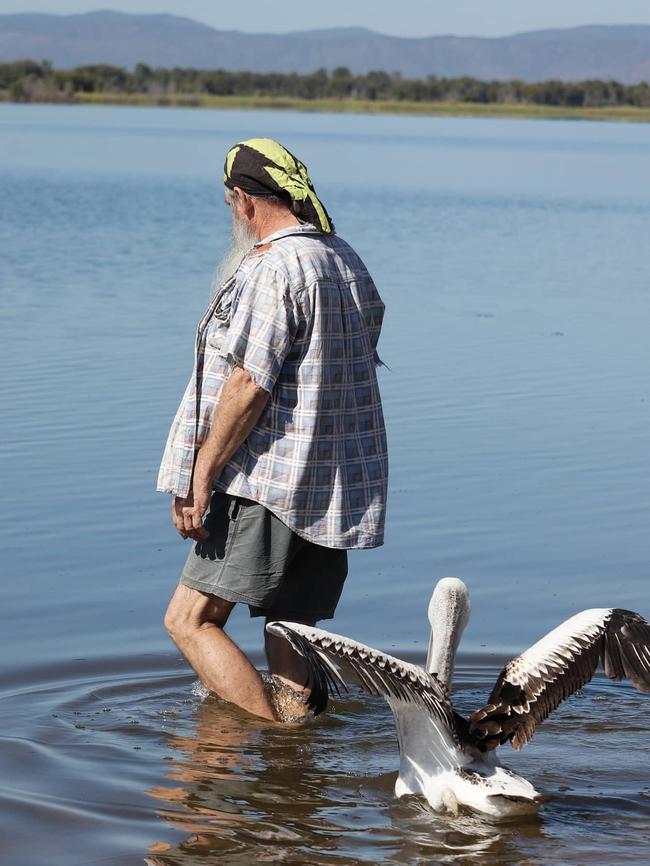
[[190, 610]]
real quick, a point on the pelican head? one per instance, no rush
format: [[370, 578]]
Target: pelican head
[[448, 615]]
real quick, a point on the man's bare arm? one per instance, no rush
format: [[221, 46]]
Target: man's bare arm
[[240, 405]]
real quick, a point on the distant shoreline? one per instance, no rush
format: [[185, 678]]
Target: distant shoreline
[[354, 106]]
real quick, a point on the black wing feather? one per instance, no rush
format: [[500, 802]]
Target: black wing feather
[[515, 709]]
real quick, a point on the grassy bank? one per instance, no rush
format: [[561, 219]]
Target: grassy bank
[[359, 106]]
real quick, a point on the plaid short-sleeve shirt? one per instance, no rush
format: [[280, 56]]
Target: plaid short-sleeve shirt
[[303, 317]]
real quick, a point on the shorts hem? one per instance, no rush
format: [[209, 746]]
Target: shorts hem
[[289, 617], [220, 591]]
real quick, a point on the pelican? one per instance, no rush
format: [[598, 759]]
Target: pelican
[[449, 759]]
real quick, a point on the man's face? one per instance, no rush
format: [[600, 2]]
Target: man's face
[[242, 231], [243, 238]]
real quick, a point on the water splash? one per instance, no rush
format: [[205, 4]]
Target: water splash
[[200, 691]]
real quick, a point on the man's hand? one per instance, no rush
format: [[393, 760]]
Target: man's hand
[[188, 512]]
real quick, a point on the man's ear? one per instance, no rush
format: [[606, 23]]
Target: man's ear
[[245, 202]]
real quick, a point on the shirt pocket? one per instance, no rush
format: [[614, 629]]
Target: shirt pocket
[[217, 328]]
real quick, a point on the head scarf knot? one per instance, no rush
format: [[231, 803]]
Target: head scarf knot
[[262, 166]]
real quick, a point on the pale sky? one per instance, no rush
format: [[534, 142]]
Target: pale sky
[[400, 17]]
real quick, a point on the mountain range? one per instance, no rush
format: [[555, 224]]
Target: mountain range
[[620, 52]]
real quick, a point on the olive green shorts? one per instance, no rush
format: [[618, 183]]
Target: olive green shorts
[[251, 556]]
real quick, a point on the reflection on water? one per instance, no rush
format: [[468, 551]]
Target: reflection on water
[[238, 791], [323, 794], [127, 757]]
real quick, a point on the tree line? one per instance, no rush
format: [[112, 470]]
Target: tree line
[[31, 81]]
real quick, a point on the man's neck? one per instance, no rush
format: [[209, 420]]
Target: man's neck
[[274, 224]]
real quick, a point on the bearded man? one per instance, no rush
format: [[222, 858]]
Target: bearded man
[[277, 457]]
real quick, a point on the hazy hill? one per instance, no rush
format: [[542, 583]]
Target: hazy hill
[[620, 52]]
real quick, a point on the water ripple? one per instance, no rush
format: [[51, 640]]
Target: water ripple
[[114, 745]]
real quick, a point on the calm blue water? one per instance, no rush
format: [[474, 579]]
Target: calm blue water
[[514, 261]]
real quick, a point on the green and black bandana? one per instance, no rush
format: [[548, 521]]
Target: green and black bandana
[[262, 166]]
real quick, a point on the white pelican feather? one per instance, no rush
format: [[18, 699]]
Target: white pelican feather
[[443, 756]]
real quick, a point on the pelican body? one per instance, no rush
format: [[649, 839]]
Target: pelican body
[[448, 759]]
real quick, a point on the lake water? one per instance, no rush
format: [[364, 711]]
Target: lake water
[[514, 260]]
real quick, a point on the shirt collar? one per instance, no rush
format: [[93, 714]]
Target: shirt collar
[[302, 229]]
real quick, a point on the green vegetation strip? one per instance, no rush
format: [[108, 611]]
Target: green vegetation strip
[[338, 91], [358, 106]]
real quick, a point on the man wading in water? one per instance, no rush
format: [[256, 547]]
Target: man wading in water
[[277, 455]]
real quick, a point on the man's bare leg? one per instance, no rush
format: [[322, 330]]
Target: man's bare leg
[[290, 669], [195, 623]]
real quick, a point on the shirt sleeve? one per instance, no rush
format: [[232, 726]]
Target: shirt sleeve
[[262, 327]]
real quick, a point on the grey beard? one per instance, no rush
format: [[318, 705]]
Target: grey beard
[[241, 240]]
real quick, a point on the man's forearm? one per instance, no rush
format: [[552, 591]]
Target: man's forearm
[[240, 405]]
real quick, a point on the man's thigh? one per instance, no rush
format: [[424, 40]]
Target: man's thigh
[[252, 557], [311, 587], [245, 556]]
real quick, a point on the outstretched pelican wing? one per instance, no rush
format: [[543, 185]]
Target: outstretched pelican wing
[[331, 658], [532, 685]]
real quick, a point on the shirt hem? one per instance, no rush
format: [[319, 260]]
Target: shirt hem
[[368, 542]]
